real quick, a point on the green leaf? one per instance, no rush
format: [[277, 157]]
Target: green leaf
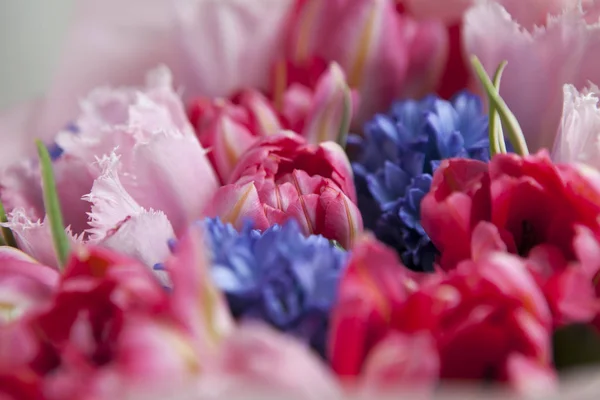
[[52, 205], [497, 144], [515, 134], [576, 345], [7, 237]]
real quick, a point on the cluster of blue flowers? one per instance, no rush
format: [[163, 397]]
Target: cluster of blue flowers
[[278, 276], [394, 161]]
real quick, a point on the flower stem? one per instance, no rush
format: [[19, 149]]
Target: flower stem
[[52, 206], [515, 134], [497, 144]]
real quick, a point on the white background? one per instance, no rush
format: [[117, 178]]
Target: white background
[[31, 33]]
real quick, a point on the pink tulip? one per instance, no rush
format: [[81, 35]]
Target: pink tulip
[[283, 177], [228, 128], [255, 359], [25, 285], [377, 48], [196, 303], [135, 158], [532, 84], [402, 362]]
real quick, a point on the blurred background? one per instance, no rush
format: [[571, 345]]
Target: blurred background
[[31, 34]]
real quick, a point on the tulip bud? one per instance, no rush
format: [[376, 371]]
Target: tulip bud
[[230, 127], [331, 112], [283, 177]]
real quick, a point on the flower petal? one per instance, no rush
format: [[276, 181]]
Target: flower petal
[[578, 137], [245, 38], [532, 83]]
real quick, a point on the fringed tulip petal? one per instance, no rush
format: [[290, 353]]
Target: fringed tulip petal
[[578, 137], [118, 222], [533, 81]]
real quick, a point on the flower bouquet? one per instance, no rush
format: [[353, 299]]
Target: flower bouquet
[[307, 199]]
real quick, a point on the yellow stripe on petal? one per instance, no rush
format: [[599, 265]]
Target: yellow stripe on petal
[[306, 25], [357, 68], [279, 85], [235, 212]]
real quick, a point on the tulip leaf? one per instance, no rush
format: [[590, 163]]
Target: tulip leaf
[[6, 238], [52, 206], [513, 129], [496, 134], [576, 345]]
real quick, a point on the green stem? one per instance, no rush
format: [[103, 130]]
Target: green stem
[[496, 133], [52, 205], [515, 134]]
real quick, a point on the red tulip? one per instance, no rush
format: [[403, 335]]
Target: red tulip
[[527, 206]]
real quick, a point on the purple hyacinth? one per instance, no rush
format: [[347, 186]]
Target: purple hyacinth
[[278, 276], [394, 161]]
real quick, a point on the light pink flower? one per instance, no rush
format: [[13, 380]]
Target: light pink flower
[[578, 138], [540, 60], [135, 158]]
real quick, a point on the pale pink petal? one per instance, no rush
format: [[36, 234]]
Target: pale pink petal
[[111, 204], [24, 284], [153, 106], [110, 43], [34, 236], [540, 62], [170, 172], [119, 223], [18, 345], [578, 137], [154, 353], [587, 249], [529, 377], [255, 358], [21, 187], [196, 303], [402, 361], [530, 13], [229, 45], [143, 236], [486, 239]]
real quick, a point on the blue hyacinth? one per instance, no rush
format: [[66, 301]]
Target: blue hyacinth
[[393, 165], [278, 276]]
